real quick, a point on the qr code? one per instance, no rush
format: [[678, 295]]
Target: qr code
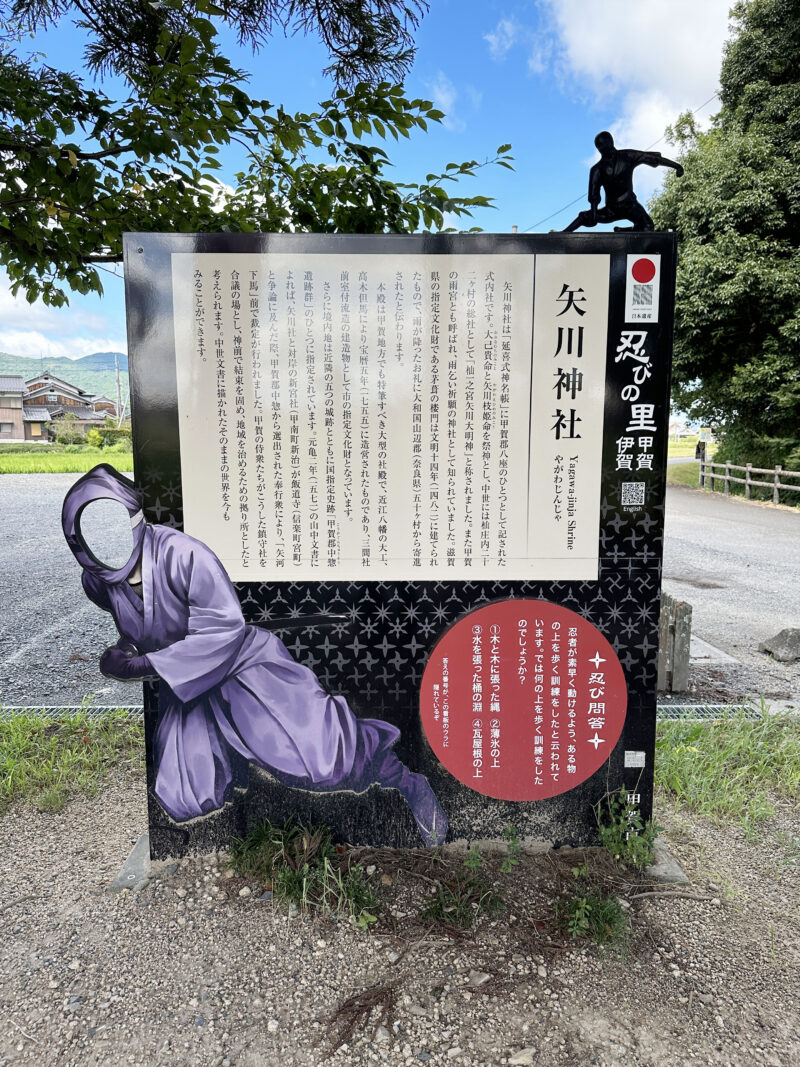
[[633, 494], [642, 296]]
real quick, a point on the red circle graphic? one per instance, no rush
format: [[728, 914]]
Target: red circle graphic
[[523, 699], [643, 271]]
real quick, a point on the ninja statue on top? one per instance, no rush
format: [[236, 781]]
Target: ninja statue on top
[[229, 693], [613, 174]]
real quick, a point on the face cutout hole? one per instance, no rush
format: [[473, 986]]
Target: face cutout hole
[[105, 529]]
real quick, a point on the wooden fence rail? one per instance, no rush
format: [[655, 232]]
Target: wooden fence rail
[[707, 469]]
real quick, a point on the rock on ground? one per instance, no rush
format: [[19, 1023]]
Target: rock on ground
[[784, 646]]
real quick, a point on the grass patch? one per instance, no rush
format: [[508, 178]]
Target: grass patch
[[303, 867], [684, 474], [46, 761], [45, 461], [730, 769], [587, 911], [685, 447], [461, 900]]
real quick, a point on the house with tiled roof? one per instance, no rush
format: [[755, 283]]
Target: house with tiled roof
[[28, 406], [60, 397]]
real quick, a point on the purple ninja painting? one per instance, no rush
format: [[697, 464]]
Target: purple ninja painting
[[229, 692]]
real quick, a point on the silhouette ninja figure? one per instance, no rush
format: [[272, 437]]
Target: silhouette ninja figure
[[613, 174]]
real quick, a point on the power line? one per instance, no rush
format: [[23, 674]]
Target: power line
[[99, 266], [579, 198]]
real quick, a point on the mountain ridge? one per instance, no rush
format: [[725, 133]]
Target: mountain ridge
[[94, 372]]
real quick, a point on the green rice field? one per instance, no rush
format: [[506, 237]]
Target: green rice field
[[63, 462]]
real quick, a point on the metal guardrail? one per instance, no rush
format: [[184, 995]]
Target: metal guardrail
[[136, 711], [775, 484], [707, 712], [63, 711]]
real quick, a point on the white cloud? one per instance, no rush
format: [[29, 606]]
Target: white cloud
[[655, 59], [540, 53], [674, 46], [445, 95], [35, 343], [16, 311], [38, 330], [509, 33], [475, 96], [503, 37], [648, 61]]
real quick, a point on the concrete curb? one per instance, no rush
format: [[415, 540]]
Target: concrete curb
[[135, 871], [665, 868]]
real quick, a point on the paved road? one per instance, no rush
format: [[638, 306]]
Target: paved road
[[50, 635], [738, 564]]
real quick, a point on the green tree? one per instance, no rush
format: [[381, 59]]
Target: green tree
[[737, 214], [79, 167], [66, 430]]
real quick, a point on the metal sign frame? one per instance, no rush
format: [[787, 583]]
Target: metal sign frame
[[377, 662]]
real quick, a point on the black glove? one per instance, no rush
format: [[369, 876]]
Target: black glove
[[114, 663]]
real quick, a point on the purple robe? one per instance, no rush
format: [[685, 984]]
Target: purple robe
[[228, 690]]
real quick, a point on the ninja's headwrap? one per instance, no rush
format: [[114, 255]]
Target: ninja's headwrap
[[102, 483]]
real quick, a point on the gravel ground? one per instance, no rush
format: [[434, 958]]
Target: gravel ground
[[194, 969]]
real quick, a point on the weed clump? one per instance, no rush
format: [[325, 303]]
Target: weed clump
[[462, 898], [303, 867], [587, 911], [512, 859], [623, 832]]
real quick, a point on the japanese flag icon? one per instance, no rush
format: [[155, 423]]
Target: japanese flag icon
[[642, 282]]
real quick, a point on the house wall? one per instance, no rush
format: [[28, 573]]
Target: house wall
[[34, 431], [11, 415], [45, 396]]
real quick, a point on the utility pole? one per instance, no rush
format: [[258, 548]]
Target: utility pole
[[119, 393]]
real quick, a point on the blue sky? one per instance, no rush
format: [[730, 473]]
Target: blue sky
[[544, 75]]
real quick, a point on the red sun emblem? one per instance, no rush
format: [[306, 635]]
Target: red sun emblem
[[643, 271]]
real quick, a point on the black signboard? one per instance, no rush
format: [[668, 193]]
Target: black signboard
[[433, 469]]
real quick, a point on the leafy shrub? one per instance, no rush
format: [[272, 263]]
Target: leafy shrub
[[20, 447], [66, 429], [114, 435], [623, 832]]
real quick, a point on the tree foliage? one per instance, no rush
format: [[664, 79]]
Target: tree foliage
[[737, 214], [367, 40], [78, 167]]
